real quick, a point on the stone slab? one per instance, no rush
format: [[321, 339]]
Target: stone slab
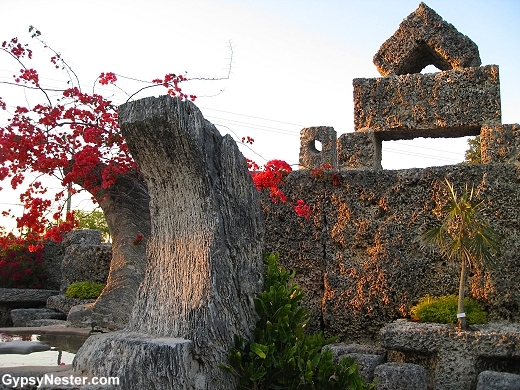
[[422, 39], [459, 355], [159, 363], [21, 317], [341, 349], [47, 322], [491, 380], [25, 295], [367, 357], [63, 303], [452, 103], [400, 376], [359, 150]]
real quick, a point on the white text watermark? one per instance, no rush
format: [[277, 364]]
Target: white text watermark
[[52, 380]]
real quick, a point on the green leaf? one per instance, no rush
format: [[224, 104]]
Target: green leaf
[[316, 360], [281, 355], [260, 374], [259, 349]]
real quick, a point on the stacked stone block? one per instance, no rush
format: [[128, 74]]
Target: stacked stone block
[[500, 144], [310, 156], [453, 103], [361, 150], [463, 99], [422, 39]]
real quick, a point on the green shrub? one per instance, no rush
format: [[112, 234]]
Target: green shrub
[[281, 355], [443, 310], [85, 290]]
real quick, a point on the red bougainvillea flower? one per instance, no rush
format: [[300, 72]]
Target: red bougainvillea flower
[[72, 135], [302, 209], [271, 177]]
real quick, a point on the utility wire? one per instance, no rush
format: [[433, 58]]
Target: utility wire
[[226, 122]]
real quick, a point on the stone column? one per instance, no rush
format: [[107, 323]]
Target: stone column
[[310, 156], [204, 254]]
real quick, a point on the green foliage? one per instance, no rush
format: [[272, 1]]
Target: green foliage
[[472, 155], [85, 290], [281, 355], [464, 235], [94, 219], [443, 310]]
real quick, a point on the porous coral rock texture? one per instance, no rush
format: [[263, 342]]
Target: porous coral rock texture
[[453, 103], [358, 257], [500, 144], [422, 39], [204, 259], [310, 156], [359, 150], [458, 355]]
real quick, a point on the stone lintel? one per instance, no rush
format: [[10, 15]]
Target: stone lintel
[[500, 144], [452, 103], [359, 150], [423, 39], [310, 156]]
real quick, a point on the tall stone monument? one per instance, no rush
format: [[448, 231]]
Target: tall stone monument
[[204, 256]]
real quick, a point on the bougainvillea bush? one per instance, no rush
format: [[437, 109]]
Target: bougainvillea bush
[[21, 264], [69, 134], [73, 134]]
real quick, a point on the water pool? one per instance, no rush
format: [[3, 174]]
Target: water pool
[[61, 349]]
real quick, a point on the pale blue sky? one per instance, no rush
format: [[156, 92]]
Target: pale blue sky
[[294, 61]]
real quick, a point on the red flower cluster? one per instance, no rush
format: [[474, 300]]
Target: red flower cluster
[[252, 166], [302, 209], [75, 135], [55, 232], [20, 263], [107, 78], [16, 49], [28, 75], [172, 81], [324, 173], [271, 177]]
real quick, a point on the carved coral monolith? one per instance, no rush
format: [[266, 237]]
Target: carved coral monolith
[[204, 254]]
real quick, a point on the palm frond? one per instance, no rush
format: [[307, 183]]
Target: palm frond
[[464, 233]]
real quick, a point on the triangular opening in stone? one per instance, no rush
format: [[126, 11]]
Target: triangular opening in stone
[[420, 57]]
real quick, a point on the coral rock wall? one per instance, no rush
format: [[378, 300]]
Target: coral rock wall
[[358, 257]]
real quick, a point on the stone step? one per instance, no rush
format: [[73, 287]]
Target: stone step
[[63, 304], [25, 295], [367, 357], [21, 317], [492, 380], [47, 322], [400, 376]]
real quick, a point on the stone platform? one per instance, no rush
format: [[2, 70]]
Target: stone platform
[[454, 358]]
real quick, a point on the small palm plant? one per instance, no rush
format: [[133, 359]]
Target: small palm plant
[[464, 236]]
